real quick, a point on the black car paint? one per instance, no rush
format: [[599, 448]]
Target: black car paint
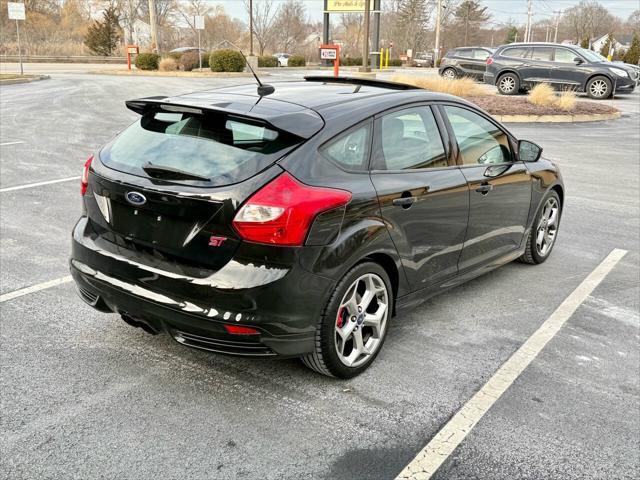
[[463, 64], [282, 291], [559, 74]]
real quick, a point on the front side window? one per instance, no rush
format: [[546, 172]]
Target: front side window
[[410, 139], [351, 149], [480, 141], [542, 53], [480, 54], [564, 55], [465, 53]]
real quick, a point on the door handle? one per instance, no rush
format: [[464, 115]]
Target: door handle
[[404, 202], [484, 188]]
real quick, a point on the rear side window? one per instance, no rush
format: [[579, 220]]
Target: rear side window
[[350, 150], [220, 148], [516, 52], [542, 53]]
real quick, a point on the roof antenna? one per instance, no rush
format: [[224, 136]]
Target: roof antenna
[[263, 88]]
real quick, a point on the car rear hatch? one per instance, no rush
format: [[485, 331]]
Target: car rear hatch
[[166, 189]]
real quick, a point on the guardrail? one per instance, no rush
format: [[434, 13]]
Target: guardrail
[[62, 59]]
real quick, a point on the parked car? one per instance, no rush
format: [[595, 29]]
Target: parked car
[[465, 62], [283, 59], [299, 223], [423, 60], [519, 66]]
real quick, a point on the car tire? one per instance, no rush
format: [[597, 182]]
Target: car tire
[[508, 84], [450, 73], [544, 230], [337, 333], [599, 88]]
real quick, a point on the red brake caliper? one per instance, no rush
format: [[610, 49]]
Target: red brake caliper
[[341, 320]]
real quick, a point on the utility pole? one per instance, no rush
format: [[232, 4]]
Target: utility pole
[[365, 40], [555, 35], [436, 48], [527, 32], [154, 26], [251, 28], [546, 37]]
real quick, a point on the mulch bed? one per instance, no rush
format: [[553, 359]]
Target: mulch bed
[[504, 105]]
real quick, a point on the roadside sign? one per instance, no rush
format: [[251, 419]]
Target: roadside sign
[[347, 6], [328, 53], [16, 11], [198, 21]]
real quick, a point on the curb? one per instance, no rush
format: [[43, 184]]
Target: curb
[[14, 81], [147, 73], [596, 117]]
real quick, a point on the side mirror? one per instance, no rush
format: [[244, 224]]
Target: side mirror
[[578, 61], [529, 151]]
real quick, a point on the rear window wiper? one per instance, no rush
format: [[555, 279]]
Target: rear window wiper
[[159, 171]]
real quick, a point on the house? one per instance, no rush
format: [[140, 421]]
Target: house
[[619, 42]]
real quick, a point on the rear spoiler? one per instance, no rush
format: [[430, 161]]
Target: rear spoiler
[[283, 116]]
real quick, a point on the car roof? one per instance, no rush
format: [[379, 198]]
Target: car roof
[[303, 107], [538, 44]]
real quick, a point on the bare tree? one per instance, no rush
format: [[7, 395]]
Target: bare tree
[[264, 21], [130, 11], [587, 20], [291, 26]]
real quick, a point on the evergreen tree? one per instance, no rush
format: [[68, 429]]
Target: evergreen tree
[[584, 43], [607, 47], [412, 20], [103, 37], [469, 17], [632, 55], [511, 35]]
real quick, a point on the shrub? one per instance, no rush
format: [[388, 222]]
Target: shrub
[[226, 61], [567, 100], [175, 55], [297, 61], [168, 64], [542, 94], [461, 87], [267, 61], [632, 55], [395, 62], [190, 60], [147, 61], [351, 61]]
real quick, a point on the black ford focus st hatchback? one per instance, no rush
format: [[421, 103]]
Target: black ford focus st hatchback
[[298, 223]]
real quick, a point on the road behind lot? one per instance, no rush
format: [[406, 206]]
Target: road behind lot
[[86, 396]]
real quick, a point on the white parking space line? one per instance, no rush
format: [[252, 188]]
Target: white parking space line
[[10, 143], [442, 445], [34, 288], [38, 184]]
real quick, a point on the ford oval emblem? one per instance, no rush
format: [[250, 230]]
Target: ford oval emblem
[[136, 198]]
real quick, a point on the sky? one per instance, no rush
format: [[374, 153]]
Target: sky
[[501, 10]]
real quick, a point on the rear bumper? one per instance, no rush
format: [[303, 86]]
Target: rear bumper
[[283, 306]]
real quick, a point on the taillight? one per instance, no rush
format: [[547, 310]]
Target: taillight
[[240, 330], [282, 211], [84, 180], [489, 60]]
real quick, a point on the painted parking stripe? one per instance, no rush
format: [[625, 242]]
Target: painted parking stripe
[[38, 184], [10, 143], [442, 445], [34, 288]]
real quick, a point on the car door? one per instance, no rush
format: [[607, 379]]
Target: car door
[[465, 61], [536, 68], [423, 197], [499, 186], [479, 65], [566, 73]]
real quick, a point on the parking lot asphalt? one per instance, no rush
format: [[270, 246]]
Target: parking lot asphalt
[[83, 395]]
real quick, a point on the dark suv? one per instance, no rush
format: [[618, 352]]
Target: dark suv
[[519, 66], [465, 62], [297, 224]]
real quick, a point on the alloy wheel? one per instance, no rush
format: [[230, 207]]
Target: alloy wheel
[[507, 84], [449, 74], [547, 227], [598, 88], [361, 320]]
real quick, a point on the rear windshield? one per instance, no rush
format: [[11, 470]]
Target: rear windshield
[[220, 148]]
